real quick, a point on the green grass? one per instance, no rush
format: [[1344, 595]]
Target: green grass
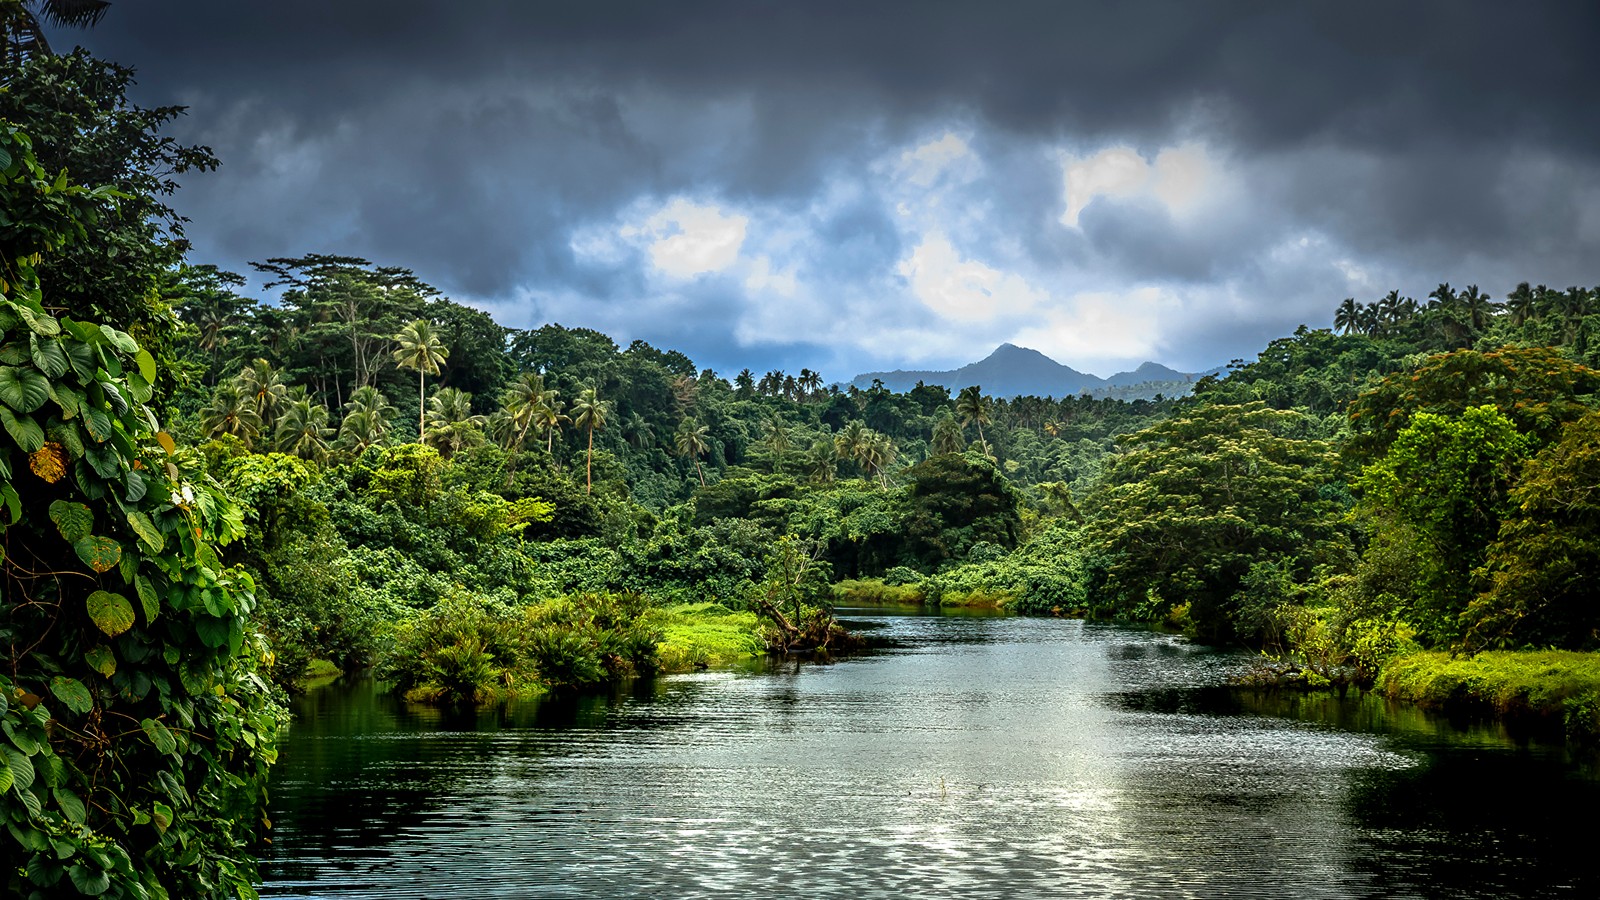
[[1554, 685], [873, 592], [706, 634], [978, 598]]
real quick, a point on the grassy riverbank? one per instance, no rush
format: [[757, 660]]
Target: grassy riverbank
[[696, 635], [1554, 686]]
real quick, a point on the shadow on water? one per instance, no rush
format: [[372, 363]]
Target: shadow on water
[[970, 756]]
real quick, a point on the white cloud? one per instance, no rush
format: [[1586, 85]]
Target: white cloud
[[1111, 326], [1182, 178], [964, 290], [685, 239], [922, 165]]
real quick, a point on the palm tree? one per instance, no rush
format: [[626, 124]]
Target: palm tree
[[451, 424], [520, 402], [303, 430], [1478, 307], [777, 435], [550, 419], [810, 382], [847, 443], [366, 419], [1348, 316], [947, 437], [1520, 304], [691, 440], [420, 349], [822, 461], [972, 406], [264, 385], [745, 384], [24, 38], [875, 454], [589, 413], [231, 411]]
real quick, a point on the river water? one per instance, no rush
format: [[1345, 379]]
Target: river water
[[980, 757]]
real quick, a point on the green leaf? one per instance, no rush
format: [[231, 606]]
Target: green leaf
[[212, 630], [49, 355], [21, 769], [24, 430], [74, 520], [23, 389], [84, 360], [105, 461], [159, 735], [111, 613], [20, 738], [147, 365], [119, 339], [71, 806], [89, 881], [98, 421], [39, 322], [98, 553], [147, 598], [144, 528], [139, 388], [101, 659], [162, 814], [71, 691], [5, 776]]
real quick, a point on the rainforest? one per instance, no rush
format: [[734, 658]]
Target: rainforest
[[221, 504]]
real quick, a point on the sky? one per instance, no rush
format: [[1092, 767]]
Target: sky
[[853, 186]]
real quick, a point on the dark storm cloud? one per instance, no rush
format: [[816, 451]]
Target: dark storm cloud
[[1418, 142]]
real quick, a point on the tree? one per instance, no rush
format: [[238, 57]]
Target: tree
[[23, 34], [973, 407], [947, 437], [451, 424], [1542, 563], [420, 349], [78, 117], [231, 411], [1190, 504], [589, 413], [1348, 317], [692, 441], [955, 501], [549, 417], [366, 419], [303, 430], [1444, 483], [263, 384]]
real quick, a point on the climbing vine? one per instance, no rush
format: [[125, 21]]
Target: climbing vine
[[135, 729]]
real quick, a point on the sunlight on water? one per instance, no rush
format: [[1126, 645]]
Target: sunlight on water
[[983, 757]]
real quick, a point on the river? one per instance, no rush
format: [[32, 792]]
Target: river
[[979, 757]]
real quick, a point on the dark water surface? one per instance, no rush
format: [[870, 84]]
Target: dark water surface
[[985, 757]]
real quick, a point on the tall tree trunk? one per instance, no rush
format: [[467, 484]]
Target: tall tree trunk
[[588, 466], [422, 405]]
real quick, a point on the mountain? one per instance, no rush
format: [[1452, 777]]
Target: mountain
[[1012, 371]]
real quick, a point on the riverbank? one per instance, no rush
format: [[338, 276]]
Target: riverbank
[[1554, 687]]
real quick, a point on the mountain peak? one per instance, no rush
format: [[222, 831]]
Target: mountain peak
[[1011, 371]]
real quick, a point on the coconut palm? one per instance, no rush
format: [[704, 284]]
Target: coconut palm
[[520, 403], [264, 385], [777, 435], [589, 414], [451, 424], [691, 440], [549, 419], [822, 461], [947, 437], [847, 443], [24, 38], [972, 406], [303, 430], [420, 349], [231, 411], [875, 455]]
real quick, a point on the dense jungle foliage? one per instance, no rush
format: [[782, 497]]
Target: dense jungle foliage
[[205, 493]]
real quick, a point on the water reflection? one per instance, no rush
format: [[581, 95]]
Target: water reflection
[[979, 756]]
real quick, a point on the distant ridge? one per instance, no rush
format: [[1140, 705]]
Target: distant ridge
[[1012, 371]]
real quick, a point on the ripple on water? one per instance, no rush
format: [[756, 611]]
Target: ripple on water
[[983, 757]]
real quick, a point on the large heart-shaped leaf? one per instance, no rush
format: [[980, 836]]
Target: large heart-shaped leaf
[[49, 355], [144, 528], [72, 693], [23, 429], [111, 613], [159, 735], [101, 659], [98, 553], [74, 520], [23, 389]]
